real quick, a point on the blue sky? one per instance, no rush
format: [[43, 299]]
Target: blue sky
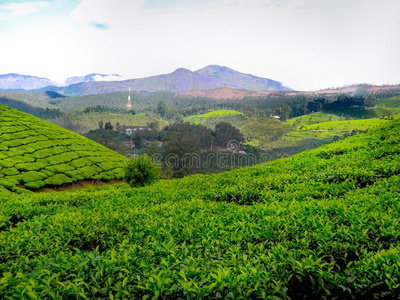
[[306, 44]]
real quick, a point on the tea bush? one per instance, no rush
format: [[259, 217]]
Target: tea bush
[[323, 224], [35, 153], [141, 171]]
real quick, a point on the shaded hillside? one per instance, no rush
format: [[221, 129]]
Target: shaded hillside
[[30, 104], [35, 154]]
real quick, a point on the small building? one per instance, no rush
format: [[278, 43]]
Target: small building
[[275, 117], [129, 144], [129, 130]]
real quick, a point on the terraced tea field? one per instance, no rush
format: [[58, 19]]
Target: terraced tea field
[[35, 154], [323, 224], [332, 129]]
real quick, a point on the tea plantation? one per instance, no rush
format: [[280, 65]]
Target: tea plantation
[[324, 224], [35, 154]]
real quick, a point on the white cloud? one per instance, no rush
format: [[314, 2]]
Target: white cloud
[[10, 11], [331, 43], [106, 11], [108, 78]]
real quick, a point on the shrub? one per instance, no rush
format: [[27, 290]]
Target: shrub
[[34, 185], [141, 171]]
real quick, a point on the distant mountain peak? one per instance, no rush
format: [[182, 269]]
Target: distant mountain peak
[[181, 71]]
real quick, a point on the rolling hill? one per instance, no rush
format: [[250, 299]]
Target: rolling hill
[[321, 224], [36, 154]]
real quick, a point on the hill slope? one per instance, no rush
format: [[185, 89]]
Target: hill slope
[[35, 154], [321, 224]]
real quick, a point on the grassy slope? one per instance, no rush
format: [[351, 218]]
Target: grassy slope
[[329, 116], [319, 224], [203, 119], [35, 153], [257, 131], [325, 127], [393, 102]]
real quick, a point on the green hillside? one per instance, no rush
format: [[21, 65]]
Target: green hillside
[[342, 115], [348, 125], [214, 117], [393, 102], [26, 99], [321, 224], [323, 127], [258, 131], [35, 154], [81, 122]]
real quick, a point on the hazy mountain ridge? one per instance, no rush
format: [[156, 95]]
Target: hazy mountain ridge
[[14, 81], [180, 80]]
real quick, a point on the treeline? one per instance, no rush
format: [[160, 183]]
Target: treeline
[[172, 107], [181, 148], [40, 112]]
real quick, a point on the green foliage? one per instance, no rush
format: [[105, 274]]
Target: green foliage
[[30, 104], [35, 153], [212, 117], [83, 121], [390, 102], [141, 171], [319, 225], [259, 128], [225, 132]]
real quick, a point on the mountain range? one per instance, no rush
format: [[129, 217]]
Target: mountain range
[[208, 78], [14, 81]]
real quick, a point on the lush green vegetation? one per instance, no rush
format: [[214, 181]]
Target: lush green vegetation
[[141, 171], [258, 131], [35, 154], [325, 127], [213, 117], [321, 224], [390, 102], [30, 104], [348, 125], [83, 122]]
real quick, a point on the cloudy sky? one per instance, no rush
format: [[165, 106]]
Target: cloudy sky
[[306, 44]]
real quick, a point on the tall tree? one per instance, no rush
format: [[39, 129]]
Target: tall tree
[[225, 132]]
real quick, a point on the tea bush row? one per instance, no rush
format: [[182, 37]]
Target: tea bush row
[[321, 224], [35, 153]]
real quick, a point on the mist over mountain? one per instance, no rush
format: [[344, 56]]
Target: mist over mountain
[[90, 77], [14, 81], [208, 78]]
